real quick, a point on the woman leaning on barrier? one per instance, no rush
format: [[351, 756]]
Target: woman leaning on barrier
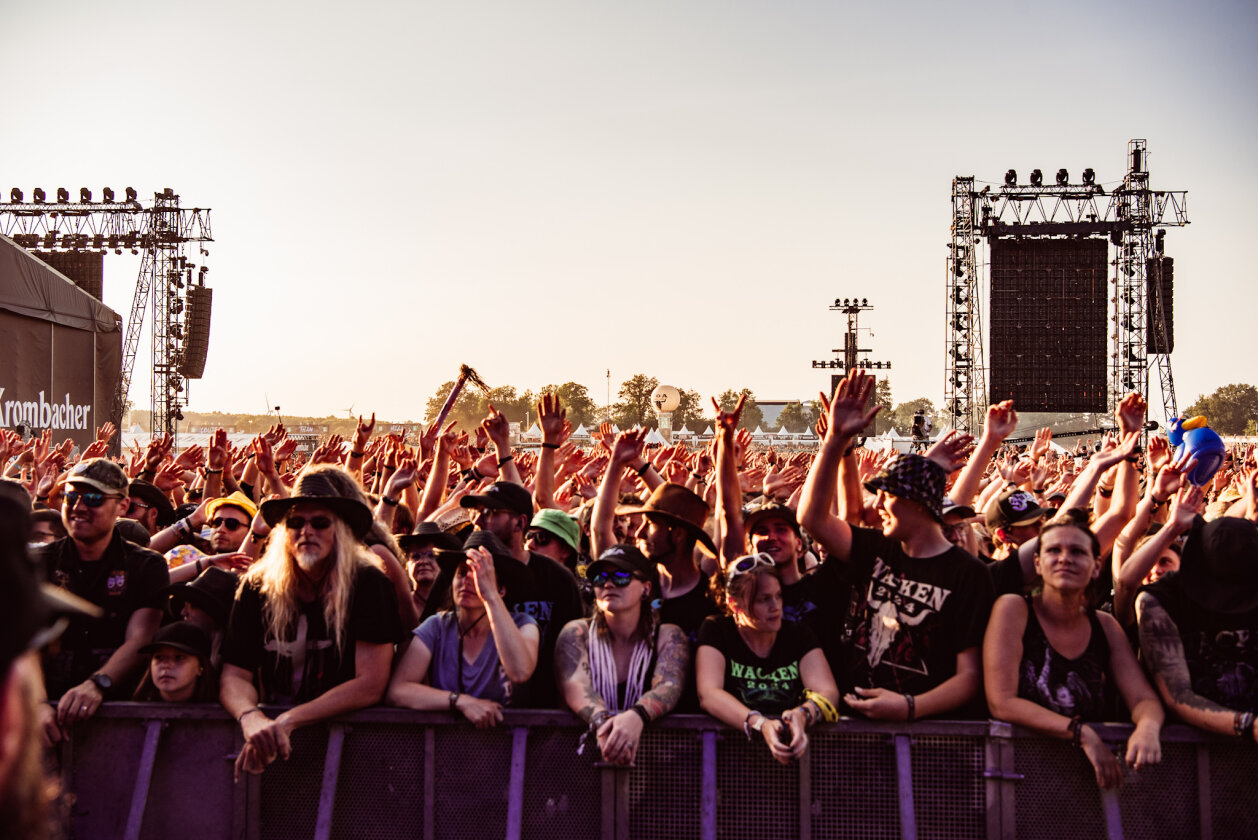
[[755, 672], [471, 659], [1050, 662], [622, 668]]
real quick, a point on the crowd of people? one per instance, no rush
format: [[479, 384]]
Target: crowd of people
[[1049, 588]]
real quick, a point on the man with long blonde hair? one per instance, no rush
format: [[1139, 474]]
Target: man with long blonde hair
[[314, 621]]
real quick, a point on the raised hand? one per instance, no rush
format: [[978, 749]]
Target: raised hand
[[1001, 420], [1130, 413], [362, 432], [951, 450], [1043, 437], [551, 417], [848, 413]]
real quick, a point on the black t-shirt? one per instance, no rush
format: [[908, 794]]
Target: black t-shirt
[[770, 684], [1221, 650], [313, 664], [1069, 687], [688, 611], [128, 577], [911, 616], [1006, 574], [554, 601], [820, 601]]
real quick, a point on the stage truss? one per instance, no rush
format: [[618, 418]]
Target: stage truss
[[162, 234], [1128, 215]]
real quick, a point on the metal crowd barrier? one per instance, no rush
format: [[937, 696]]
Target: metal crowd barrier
[[155, 771]]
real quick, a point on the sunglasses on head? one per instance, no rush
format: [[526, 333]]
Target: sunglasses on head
[[540, 537], [319, 523], [618, 578], [229, 524], [746, 563], [92, 498]]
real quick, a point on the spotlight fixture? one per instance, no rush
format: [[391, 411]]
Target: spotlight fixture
[[1037, 178], [1089, 177], [1011, 178], [15, 195], [132, 195], [40, 195], [107, 194], [1063, 177], [63, 195], [85, 195]]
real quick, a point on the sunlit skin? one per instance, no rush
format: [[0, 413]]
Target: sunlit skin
[[87, 524], [765, 612], [654, 539], [421, 565], [311, 546], [777, 539], [1168, 562], [222, 539], [893, 513], [174, 674], [613, 600], [1065, 560]]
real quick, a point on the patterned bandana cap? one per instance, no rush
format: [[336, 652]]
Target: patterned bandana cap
[[915, 478]]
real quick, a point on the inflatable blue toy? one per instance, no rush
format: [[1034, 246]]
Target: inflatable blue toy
[[1194, 437]]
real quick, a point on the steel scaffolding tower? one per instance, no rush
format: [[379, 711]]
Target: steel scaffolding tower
[[965, 390], [161, 233]]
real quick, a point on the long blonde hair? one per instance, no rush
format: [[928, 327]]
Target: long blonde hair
[[276, 575]]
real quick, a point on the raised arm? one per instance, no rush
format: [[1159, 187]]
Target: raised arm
[[729, 497], [499, 431], [626, 450], [1000, 422]]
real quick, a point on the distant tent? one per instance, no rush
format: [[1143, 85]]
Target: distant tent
[[581, 432], [708, 431], [683, 432], [533, 432], [759, 432], [654, 438]]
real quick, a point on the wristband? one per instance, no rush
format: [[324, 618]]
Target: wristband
[[550, 446], [912, 703], [390, 502], [1242, 724], [357, 454], [747, 723], [641, 712], [1103, 493], [256, 536], [641, 471], [209, 471], [824, 706], [505, 460], [1076, 730], [1157, 503], [241, 716], [198, 565]]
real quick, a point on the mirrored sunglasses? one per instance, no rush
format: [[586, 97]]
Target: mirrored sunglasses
[[746, 563], [92, 499], [618, 578]]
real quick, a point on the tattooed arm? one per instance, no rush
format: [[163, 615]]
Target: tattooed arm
[[1160, 643], [572, 668], [672, 661]]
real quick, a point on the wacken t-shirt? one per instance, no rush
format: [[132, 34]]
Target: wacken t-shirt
[[914, 616], [307, 662], [770, 684]]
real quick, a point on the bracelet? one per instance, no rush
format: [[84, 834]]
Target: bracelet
[[824, 706], [747, 723], [505, 460], [474, 473], [599, 718], [390, 502], [454, 700], [550, 446], [209, 471], [257, 537], [912, 703], [185, 526], [241, 716], [641, 471], [198, 565], [1076, 730], [1103, 493], [1157, 503], [1242, 724], [698, 477], [641, 712], [357, 454]]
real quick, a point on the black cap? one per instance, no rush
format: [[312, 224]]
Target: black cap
[[182, 635], [429, 533], [503, 495], [213, 591]]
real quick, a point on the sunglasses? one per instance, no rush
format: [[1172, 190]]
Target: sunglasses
[[618, 578], [540, 537], [319, 523], [746, 563], [136, 503], [232, 524], [90, 499]]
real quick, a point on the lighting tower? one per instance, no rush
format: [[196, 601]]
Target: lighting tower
[[850, 358]]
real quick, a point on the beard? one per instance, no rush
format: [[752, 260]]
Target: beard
[[308, 557]]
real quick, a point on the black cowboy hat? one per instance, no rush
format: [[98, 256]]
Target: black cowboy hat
[[513, 576], [315, 488], [430, 533], [213, 591]]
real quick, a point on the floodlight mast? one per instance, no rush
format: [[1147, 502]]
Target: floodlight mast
[[161, 233]]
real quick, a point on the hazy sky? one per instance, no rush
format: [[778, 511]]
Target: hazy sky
[[548, 190]]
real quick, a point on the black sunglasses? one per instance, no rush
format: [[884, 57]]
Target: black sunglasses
[[618, 578], [231, 524], [92, 499], [319, 523], [540, 537]]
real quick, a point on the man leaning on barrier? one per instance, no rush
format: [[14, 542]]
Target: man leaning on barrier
[[313, 625]]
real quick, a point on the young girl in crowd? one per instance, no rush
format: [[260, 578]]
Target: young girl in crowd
[[1051, 663], [755, 673], [179, 666]]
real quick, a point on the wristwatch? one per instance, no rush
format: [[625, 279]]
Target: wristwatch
[[102, 682]]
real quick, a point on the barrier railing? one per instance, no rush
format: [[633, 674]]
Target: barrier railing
[[164, 771]]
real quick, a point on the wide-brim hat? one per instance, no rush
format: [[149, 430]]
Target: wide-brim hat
[[770, 510], [429, 533], [213, 591], [182, 635], [315, 488], [502, 495], [676, 505], [513, 576], [154, 498], [915, 478], [1219, 566]]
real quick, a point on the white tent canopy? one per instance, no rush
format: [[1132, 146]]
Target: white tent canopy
[[654, 438], [533, 432], [581, 432]]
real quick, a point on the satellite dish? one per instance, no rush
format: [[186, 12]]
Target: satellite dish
[[665, 398]]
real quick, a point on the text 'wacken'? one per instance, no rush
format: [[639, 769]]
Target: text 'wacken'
[[44, 415]]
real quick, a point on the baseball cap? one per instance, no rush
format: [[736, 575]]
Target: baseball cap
[[102, 474]]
